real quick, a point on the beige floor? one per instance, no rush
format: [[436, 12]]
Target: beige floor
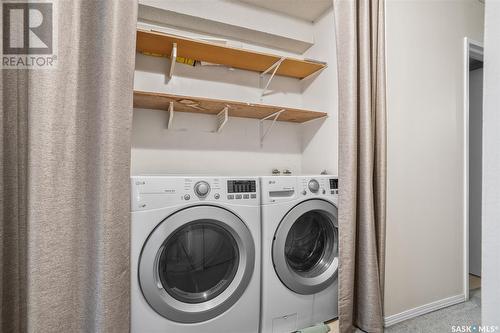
[[334, 326], [474, 282]]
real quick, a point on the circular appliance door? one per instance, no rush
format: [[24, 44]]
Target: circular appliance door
[[196, 264], [305, 247]]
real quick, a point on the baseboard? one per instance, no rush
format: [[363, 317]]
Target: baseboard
[[423, 309]]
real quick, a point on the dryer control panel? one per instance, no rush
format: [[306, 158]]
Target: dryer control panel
[[150, 192], [277, 189]]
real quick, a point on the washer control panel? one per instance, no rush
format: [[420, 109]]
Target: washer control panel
[[241, 186], [313, 185], [318, 185], [277, 189], [150, 192], [241, 189], [201, 189], [334, 186]]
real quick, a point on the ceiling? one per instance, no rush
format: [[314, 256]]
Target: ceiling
[[308, 10]]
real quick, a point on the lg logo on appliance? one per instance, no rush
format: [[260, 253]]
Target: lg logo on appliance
[[29, 34]]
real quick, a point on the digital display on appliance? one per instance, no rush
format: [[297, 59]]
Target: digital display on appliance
[[241, 186], [334, 184]]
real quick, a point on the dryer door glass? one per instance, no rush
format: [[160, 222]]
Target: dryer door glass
[[305, 247], [198, 262], [311, 244]]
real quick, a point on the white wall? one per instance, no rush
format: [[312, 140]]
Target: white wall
[[238, 14], [491, 169], [231, 18], [192, 148], [320, 93], [425, 149]]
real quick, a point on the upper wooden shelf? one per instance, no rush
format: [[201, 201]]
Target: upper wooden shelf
[[161, 44], [159, 101]]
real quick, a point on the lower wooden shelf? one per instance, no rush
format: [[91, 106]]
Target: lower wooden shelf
[[160, 101]]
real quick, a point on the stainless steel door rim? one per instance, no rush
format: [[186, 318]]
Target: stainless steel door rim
[[149, 277], [324, 271]]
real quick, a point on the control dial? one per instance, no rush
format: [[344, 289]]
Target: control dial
[[313, 185], [201, 189]]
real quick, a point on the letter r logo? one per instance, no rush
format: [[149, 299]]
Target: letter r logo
[[27, 28]]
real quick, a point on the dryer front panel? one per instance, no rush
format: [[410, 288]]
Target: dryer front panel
[[196, 264], [305, 247]]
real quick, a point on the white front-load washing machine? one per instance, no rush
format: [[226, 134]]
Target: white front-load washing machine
[[195, 254], [299, 252]]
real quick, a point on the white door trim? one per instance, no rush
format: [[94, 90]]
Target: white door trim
[[472, 49]]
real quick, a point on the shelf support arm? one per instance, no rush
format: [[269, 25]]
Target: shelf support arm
[[263, 133], [173, 59], [313, 74], [222, 118], [170, 115], [276, 66]]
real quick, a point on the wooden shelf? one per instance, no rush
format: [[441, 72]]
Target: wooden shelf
[[159, 101], [156, 43]]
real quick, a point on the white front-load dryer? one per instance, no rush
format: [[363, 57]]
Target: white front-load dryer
[[299, 252], [195, 254]]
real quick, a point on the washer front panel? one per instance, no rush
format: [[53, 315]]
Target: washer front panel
[[188, 235], [305, 247]]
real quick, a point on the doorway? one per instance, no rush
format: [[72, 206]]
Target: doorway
[[473, 102]]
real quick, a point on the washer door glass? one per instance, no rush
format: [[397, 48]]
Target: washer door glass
[[310, 245], [305, 247], [198, 262]]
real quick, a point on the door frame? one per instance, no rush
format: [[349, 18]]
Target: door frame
[[472, 49]]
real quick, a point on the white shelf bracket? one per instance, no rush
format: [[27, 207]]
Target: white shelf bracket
[[170, 115], [313, 74], [274, 66], [173, 59], [264, 133], [222, 118]]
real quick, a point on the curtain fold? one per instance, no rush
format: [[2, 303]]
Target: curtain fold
[[362, 162], [64, 197]]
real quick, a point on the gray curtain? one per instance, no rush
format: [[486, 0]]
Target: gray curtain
[[64, 194], [362, 162]]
